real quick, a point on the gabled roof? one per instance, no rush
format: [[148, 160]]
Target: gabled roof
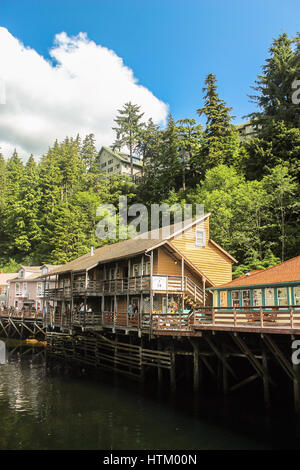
[[31, 269], [124, 157], [287, 271], [143, 243], [5, 277]]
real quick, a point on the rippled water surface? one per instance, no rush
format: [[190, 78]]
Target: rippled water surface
[[43, 408]]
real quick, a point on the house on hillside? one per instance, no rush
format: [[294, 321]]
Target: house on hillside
[[27, 287], [275, 286], [114, 162], [246, 130], [149, 273], [4, 287]]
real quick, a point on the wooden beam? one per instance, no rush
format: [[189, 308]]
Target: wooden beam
[[244, 382], [279, 356], [220, 356]]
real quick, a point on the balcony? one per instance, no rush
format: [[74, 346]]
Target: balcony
[[133, 285]]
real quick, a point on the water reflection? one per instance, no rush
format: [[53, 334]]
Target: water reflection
[[42, 408]]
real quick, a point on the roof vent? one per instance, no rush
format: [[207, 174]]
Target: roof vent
[[92, 250]]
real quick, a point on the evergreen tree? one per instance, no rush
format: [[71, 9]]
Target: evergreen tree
[[221, 142], [128, 130], [189, 136], [274, 86], [88, 153]]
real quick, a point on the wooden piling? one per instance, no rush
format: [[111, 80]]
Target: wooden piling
[[296, 383], [266, 381], [173, 368]]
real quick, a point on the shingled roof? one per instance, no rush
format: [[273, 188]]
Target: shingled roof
[[287, 271], [126, 248]]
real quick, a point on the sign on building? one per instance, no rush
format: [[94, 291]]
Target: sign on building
[[159, 283]]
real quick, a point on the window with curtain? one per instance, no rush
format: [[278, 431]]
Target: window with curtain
[[270, 301], [246, 298], [235, 295], [257, 297], [223, 298], [282, 296]]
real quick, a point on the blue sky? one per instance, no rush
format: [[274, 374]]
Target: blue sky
[[171, 45]]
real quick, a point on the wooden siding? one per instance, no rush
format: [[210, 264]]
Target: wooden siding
[[209, 259]]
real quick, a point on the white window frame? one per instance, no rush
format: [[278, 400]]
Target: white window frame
[[257, 297], [200, 242], [267, 298], [18, 289], [279, 299], [246, 298], [238, 298], [24, 287], [297, 296], [39, 289]]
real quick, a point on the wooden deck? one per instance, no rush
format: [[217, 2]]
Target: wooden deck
[[277, 320]]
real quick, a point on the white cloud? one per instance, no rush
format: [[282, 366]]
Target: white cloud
[[81, 93]]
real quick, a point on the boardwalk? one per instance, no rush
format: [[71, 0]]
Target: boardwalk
[[276, 320]]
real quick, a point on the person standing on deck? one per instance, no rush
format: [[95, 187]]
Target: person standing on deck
[[130, 310]]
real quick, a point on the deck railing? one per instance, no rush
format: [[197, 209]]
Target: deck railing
[[275, 318], [21, 314], [125, 285], [260, 317]]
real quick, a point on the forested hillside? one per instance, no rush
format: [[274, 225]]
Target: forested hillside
[[251, 187]]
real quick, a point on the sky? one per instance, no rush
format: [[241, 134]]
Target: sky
[[67, 66]]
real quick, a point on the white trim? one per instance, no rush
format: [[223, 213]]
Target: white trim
[[201, 243]]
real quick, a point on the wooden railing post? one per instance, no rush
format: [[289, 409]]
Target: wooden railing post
[[291, 317], [213, 315], [261, 317], [234, 317]]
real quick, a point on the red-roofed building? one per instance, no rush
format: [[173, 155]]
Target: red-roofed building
[[275, 286]]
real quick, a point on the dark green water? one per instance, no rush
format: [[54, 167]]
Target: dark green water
[[46, 408]]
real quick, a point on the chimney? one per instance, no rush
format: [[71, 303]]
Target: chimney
[[92, 250]]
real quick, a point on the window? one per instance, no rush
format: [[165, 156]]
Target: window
[[246, 298], [235, 298], [257, 297], [24, 292], [21, 289], [270, 298], [103, 165], [282, 296], [223, 298], [136, 270], [109, 162], [21, 274], [18, 289], [117, 166], [200, 237], [297, 295], [110, 170], [146, 268], [44, 270], [39, 289]]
